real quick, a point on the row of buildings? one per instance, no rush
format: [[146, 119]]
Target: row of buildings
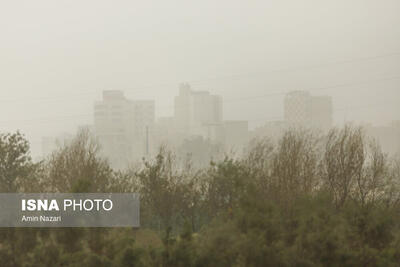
[[128, 129]]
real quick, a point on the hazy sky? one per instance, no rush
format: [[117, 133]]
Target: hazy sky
[[57, 56]]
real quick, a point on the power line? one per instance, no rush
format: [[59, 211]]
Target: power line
[[267, 119], [316, 89], [239, 99], [83, 92], [51, 119], [306, 67], [60, 118]]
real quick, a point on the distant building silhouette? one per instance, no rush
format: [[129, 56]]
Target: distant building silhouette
[[122, 126], [197, 112], [303, 110]]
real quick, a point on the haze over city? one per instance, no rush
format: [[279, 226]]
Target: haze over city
[[199, 133], [57, 57]]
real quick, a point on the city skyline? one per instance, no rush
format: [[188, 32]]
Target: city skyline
[[57, 58], [127, 129], [221, 133], [68, 120]]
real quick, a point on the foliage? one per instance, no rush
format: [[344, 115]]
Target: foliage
[[304, 200]]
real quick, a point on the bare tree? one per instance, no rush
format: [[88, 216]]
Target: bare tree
[[391, 187], [371, 179], [257, 161], [343, 162], [295, 163], [77, 167]]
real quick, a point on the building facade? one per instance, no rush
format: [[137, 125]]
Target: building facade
[[197, 112], [306, 111], [122, 127]]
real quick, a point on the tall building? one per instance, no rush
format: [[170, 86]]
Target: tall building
[[121, 126], [113, 125], [303, 110], [197, 112]]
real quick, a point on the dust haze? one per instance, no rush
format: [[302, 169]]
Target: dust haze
[[57, 58]]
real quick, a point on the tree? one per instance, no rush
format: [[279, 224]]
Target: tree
[[295, 165], [354, 167], [15, 163], [162, 190], [343, 161], [78, 167]]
